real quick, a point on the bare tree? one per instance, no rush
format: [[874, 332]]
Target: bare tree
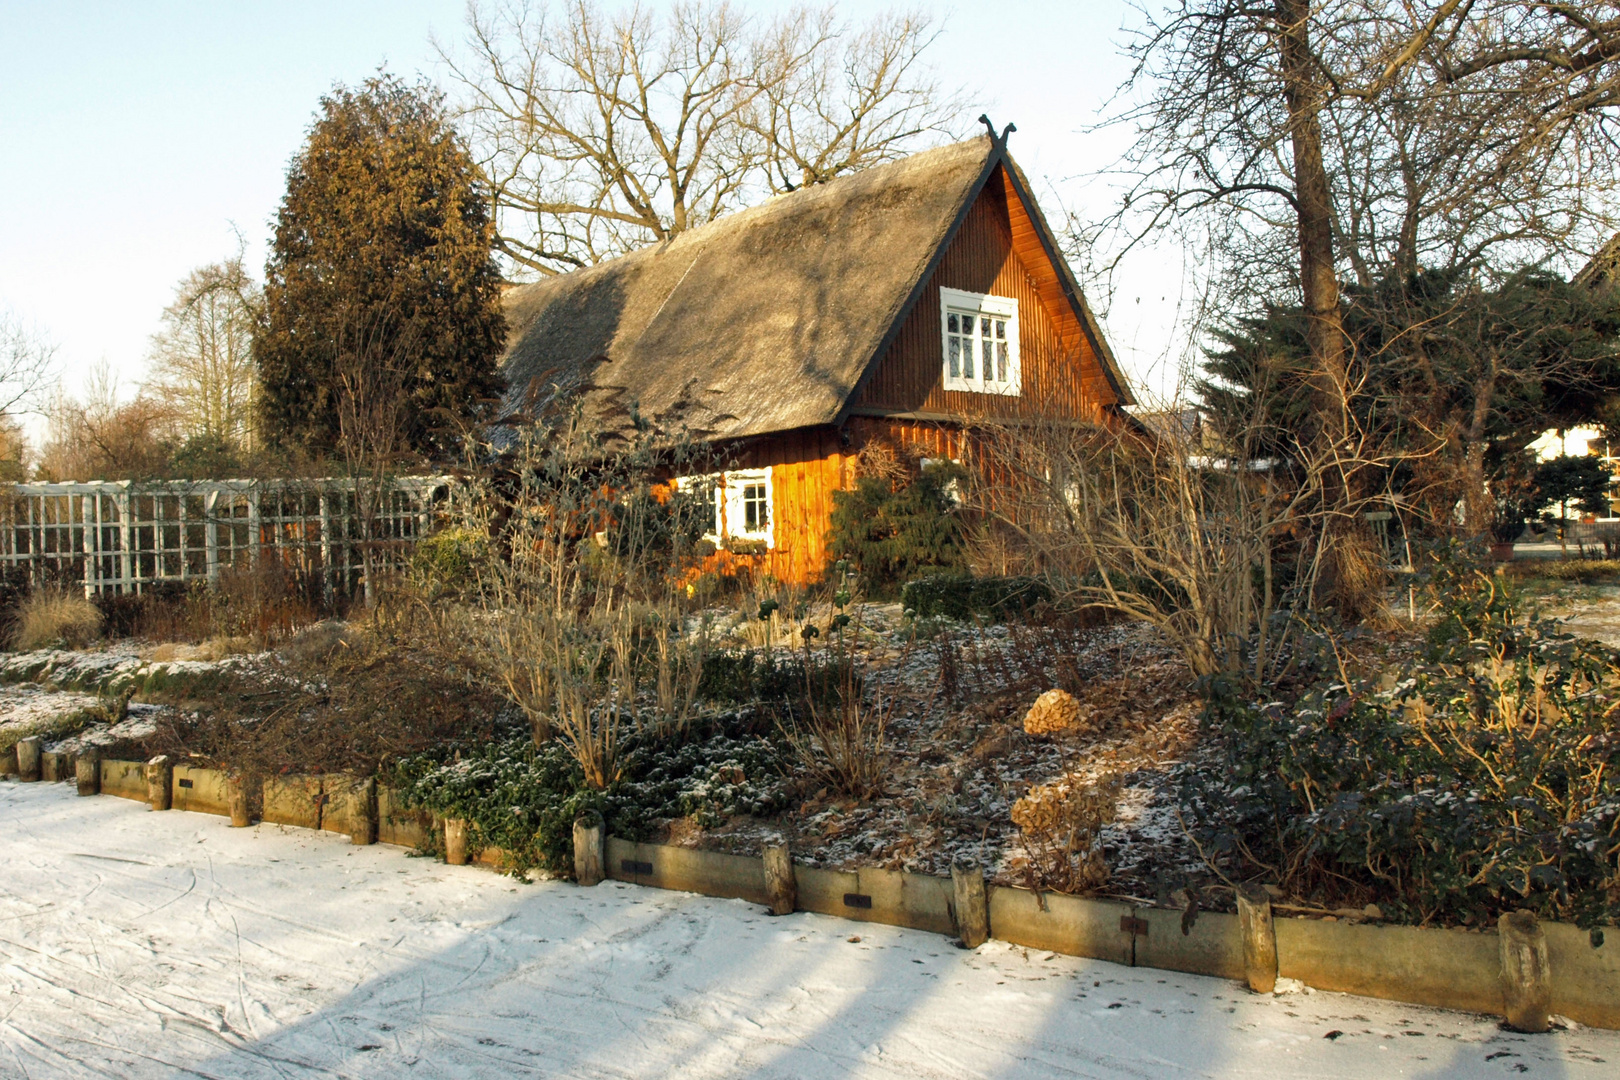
[[1303, 142], [604, 133], [1365, 135], [202, 359], [372, 369], [99, 437], [27, 364]]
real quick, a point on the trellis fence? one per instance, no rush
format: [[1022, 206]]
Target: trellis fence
[[127, 536]]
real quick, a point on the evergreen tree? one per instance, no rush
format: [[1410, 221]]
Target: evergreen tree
[[1453, 377], [381, 274]]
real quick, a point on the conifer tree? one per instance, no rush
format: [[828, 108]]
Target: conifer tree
[[380, 267]]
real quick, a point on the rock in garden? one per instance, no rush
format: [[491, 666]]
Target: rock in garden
[[1055, 710]]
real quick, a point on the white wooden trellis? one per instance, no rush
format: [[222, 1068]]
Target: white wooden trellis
[[124, 536]]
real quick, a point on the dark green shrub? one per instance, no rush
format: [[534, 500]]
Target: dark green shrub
[[893, 533], [524, 798], [776, 680], [962, 596], [1482, 779]]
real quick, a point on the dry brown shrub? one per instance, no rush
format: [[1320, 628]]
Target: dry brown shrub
[[1061, 823], [53, 616], [1054, 711]]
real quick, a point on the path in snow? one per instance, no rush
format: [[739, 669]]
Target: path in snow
[[135, 944]]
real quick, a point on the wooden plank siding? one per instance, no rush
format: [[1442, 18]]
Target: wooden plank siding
[[997, 251], [807, 466]]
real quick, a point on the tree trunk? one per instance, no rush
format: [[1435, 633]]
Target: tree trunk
[[28, 759], [237, 793], [1318, 278], [87, 770], [455, 841], [159, 789]]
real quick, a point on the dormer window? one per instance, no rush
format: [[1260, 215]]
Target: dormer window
[[981, 342]]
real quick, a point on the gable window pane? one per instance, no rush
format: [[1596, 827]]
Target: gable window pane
[[980, 342], [967, 347]]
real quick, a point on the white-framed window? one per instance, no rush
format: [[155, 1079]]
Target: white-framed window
[[742, 506], [981, 342]]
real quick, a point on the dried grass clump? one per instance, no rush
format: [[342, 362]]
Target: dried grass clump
[[1054, 711], [1061, 823], [56, 617]]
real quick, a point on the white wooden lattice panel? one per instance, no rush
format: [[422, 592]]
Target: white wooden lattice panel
[[125, 537]]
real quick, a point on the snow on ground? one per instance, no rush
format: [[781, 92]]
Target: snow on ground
[[135, 944]]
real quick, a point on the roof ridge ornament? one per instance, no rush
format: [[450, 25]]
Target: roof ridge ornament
[[1001, 140]]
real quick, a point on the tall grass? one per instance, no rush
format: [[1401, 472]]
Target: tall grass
[[55, 616]]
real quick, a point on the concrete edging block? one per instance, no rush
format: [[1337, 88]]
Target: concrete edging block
[[1074, 925], [397, 825], [125, 779], [55, 766], [205, 791], [891, 897], [1453, 969], [1585, 981], [1212, 945], [292, 800], [347, 805], [710, 873]]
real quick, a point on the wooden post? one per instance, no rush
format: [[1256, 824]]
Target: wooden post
[[455, 841], [972, 910], [1259, 939], [159, 783], [780, 883], [28, 759], [52, 766], [87, 768], [588, 853], [1526, 974], [237, 792], [365, 821]]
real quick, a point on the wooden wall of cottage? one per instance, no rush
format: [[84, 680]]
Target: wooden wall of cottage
[[997, 251]]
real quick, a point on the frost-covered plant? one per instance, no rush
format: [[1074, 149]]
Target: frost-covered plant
[[523, 798]]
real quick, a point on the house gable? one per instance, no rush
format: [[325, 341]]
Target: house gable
[[1001, 248]]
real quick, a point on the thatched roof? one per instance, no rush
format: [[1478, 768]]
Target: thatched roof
[[1604, 268], [759, 322]]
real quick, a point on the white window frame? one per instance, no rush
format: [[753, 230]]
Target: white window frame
[[976, 306], [729, 511]]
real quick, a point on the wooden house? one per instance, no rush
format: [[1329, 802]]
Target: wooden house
[[904, 303]]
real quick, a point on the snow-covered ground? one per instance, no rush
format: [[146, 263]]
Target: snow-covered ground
[[135, 944]]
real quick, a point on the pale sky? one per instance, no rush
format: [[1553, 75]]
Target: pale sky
[[139, 138]]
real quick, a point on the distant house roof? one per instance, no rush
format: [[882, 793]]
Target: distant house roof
[[761, 321], [1604, 268]]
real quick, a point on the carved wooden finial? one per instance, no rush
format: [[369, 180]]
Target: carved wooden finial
[[999, 140]]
